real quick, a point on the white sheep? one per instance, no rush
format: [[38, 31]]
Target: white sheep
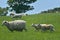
[[17, 25], [17, 16], [13, 15], [43, 27], [36, 26]]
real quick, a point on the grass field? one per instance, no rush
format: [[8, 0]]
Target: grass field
[[31, 34]]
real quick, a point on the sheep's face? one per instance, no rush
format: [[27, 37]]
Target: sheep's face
[[32, 25], [35, 25], [4, 22]]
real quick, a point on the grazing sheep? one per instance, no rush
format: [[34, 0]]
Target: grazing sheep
[[17, 16], [43, 27], [17, 25], [36, 26], [13, 15]]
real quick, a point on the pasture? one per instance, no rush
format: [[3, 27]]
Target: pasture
[[31, 34]]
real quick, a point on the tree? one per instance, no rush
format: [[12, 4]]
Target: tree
[[3, 11], [57, 9], [20, 6], [54, 10]]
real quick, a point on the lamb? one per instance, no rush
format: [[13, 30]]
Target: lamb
[[36, 26], [44, 27], [13, 15], [17, 25]]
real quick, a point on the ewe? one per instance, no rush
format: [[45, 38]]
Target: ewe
[[43, 27], [17, 25]]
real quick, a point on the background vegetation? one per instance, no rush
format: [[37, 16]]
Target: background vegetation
[[31, 34]]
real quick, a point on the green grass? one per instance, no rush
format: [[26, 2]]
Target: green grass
[[31, 34]]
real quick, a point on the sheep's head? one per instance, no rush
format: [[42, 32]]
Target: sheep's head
[[32, 25], [4, 22]]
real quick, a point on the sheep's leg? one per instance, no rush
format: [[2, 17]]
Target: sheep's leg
[[51, 29], [43, 29], [11, 30], [37, 29], [21, 30], [25, 29]]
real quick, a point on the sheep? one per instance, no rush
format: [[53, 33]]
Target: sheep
[[36, 26], [17, 25], [17, 16], [44, 27], [13, 15]]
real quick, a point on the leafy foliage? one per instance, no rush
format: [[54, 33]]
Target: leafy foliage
[[55, 10], [3, 11], [20, 6]]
